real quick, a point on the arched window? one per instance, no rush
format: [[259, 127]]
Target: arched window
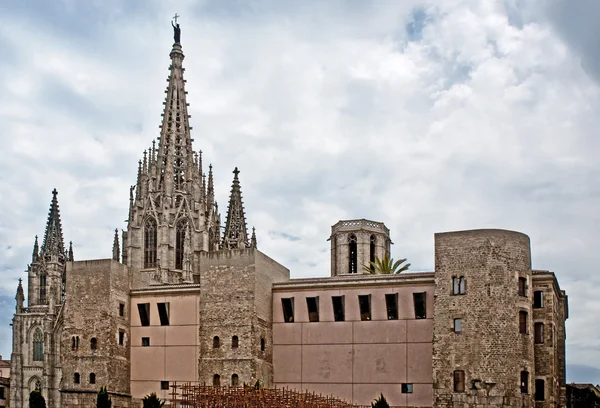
[[93, 343], [216, 342], [76, 378], [179, 243], [92, 378], [38, 345], [235, 380], [235, 342], [216, 380], [43, 288], [352, 254], [150, 243], [38, 385], [372, 242]]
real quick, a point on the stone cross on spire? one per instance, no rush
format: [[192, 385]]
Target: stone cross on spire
[[236, 233]]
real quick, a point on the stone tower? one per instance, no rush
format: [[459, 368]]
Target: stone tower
[[483, 350], [355, 243], [173, 215], [37, 328]]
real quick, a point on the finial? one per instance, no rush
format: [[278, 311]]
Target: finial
[[70, 257], [236, 172], [54, 193], [253, 238], [116, 248]]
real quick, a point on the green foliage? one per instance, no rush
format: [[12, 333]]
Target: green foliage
[[380, 403], [36, 400], [103, 399], [386, 266], [152, 401]]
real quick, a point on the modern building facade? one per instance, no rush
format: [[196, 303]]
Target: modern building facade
[[180, 300]]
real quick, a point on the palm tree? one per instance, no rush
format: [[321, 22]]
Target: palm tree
[[386, 266]]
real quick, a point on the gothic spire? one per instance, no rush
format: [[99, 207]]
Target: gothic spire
[[236, 234], [175, 154], [253, 239], [210, 190], [116, 254], [20, 297], [54, 243], [70, 253], [36, 250]]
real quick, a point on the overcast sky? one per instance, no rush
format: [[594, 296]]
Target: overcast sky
[[427, 115]]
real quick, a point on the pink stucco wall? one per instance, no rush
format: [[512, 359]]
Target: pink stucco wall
[[173, 352], [356, 360]]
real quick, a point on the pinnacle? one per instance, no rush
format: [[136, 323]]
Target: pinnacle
[[236, 234], [53, 237]]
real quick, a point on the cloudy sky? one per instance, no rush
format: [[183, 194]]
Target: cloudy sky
[[427, 115]]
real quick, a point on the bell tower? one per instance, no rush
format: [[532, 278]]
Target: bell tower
[[354, 243]]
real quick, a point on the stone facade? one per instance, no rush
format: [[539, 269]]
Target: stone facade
[[180, 301]]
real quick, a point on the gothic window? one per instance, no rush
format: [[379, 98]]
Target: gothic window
[[211, 241], [150, 232], [352, 254], [38, 385], [43, 288], [372, 242], [179, 244], [216, 380], [235, 380], [38, 345]]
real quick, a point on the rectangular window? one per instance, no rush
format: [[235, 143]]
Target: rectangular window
[[522, 287], [144, 310], [523, 322], [457, 325], [338, 308], [538, 298], [459, 381], [539, 333], [145, 341], [419, 303], [458, 285], [407, 388], [540, 390], [163, 313], [2, 393], [364, 304], [312, 304], [121, 337], [524, 382], [121, 309], [391, 304], [288, 309], [164, 385]]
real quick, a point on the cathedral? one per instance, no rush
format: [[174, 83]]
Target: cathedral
[[185, 299]]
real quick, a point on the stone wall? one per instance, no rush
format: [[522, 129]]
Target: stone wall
[[490, 348], [95, 289]]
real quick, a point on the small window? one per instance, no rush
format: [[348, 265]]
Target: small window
[[121, 337], [540, 390], [121, 309], [73, 343], [235, 380], [216, 342], [145, 341], [538, 299], [164, 385], [419, 304], [338, 308], [262, 344], [2, 396], [459, 381], [539, 333], [458, 285], [76, 378], [522, 287], [144, 310], [92, 378], [216, 380], [93, 343], [391, 304], [457, 325], [312, 304], [235, 342], [407, 388], [288, 309], [163, 313], [524, 382], [523, 322], [364, 304]]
